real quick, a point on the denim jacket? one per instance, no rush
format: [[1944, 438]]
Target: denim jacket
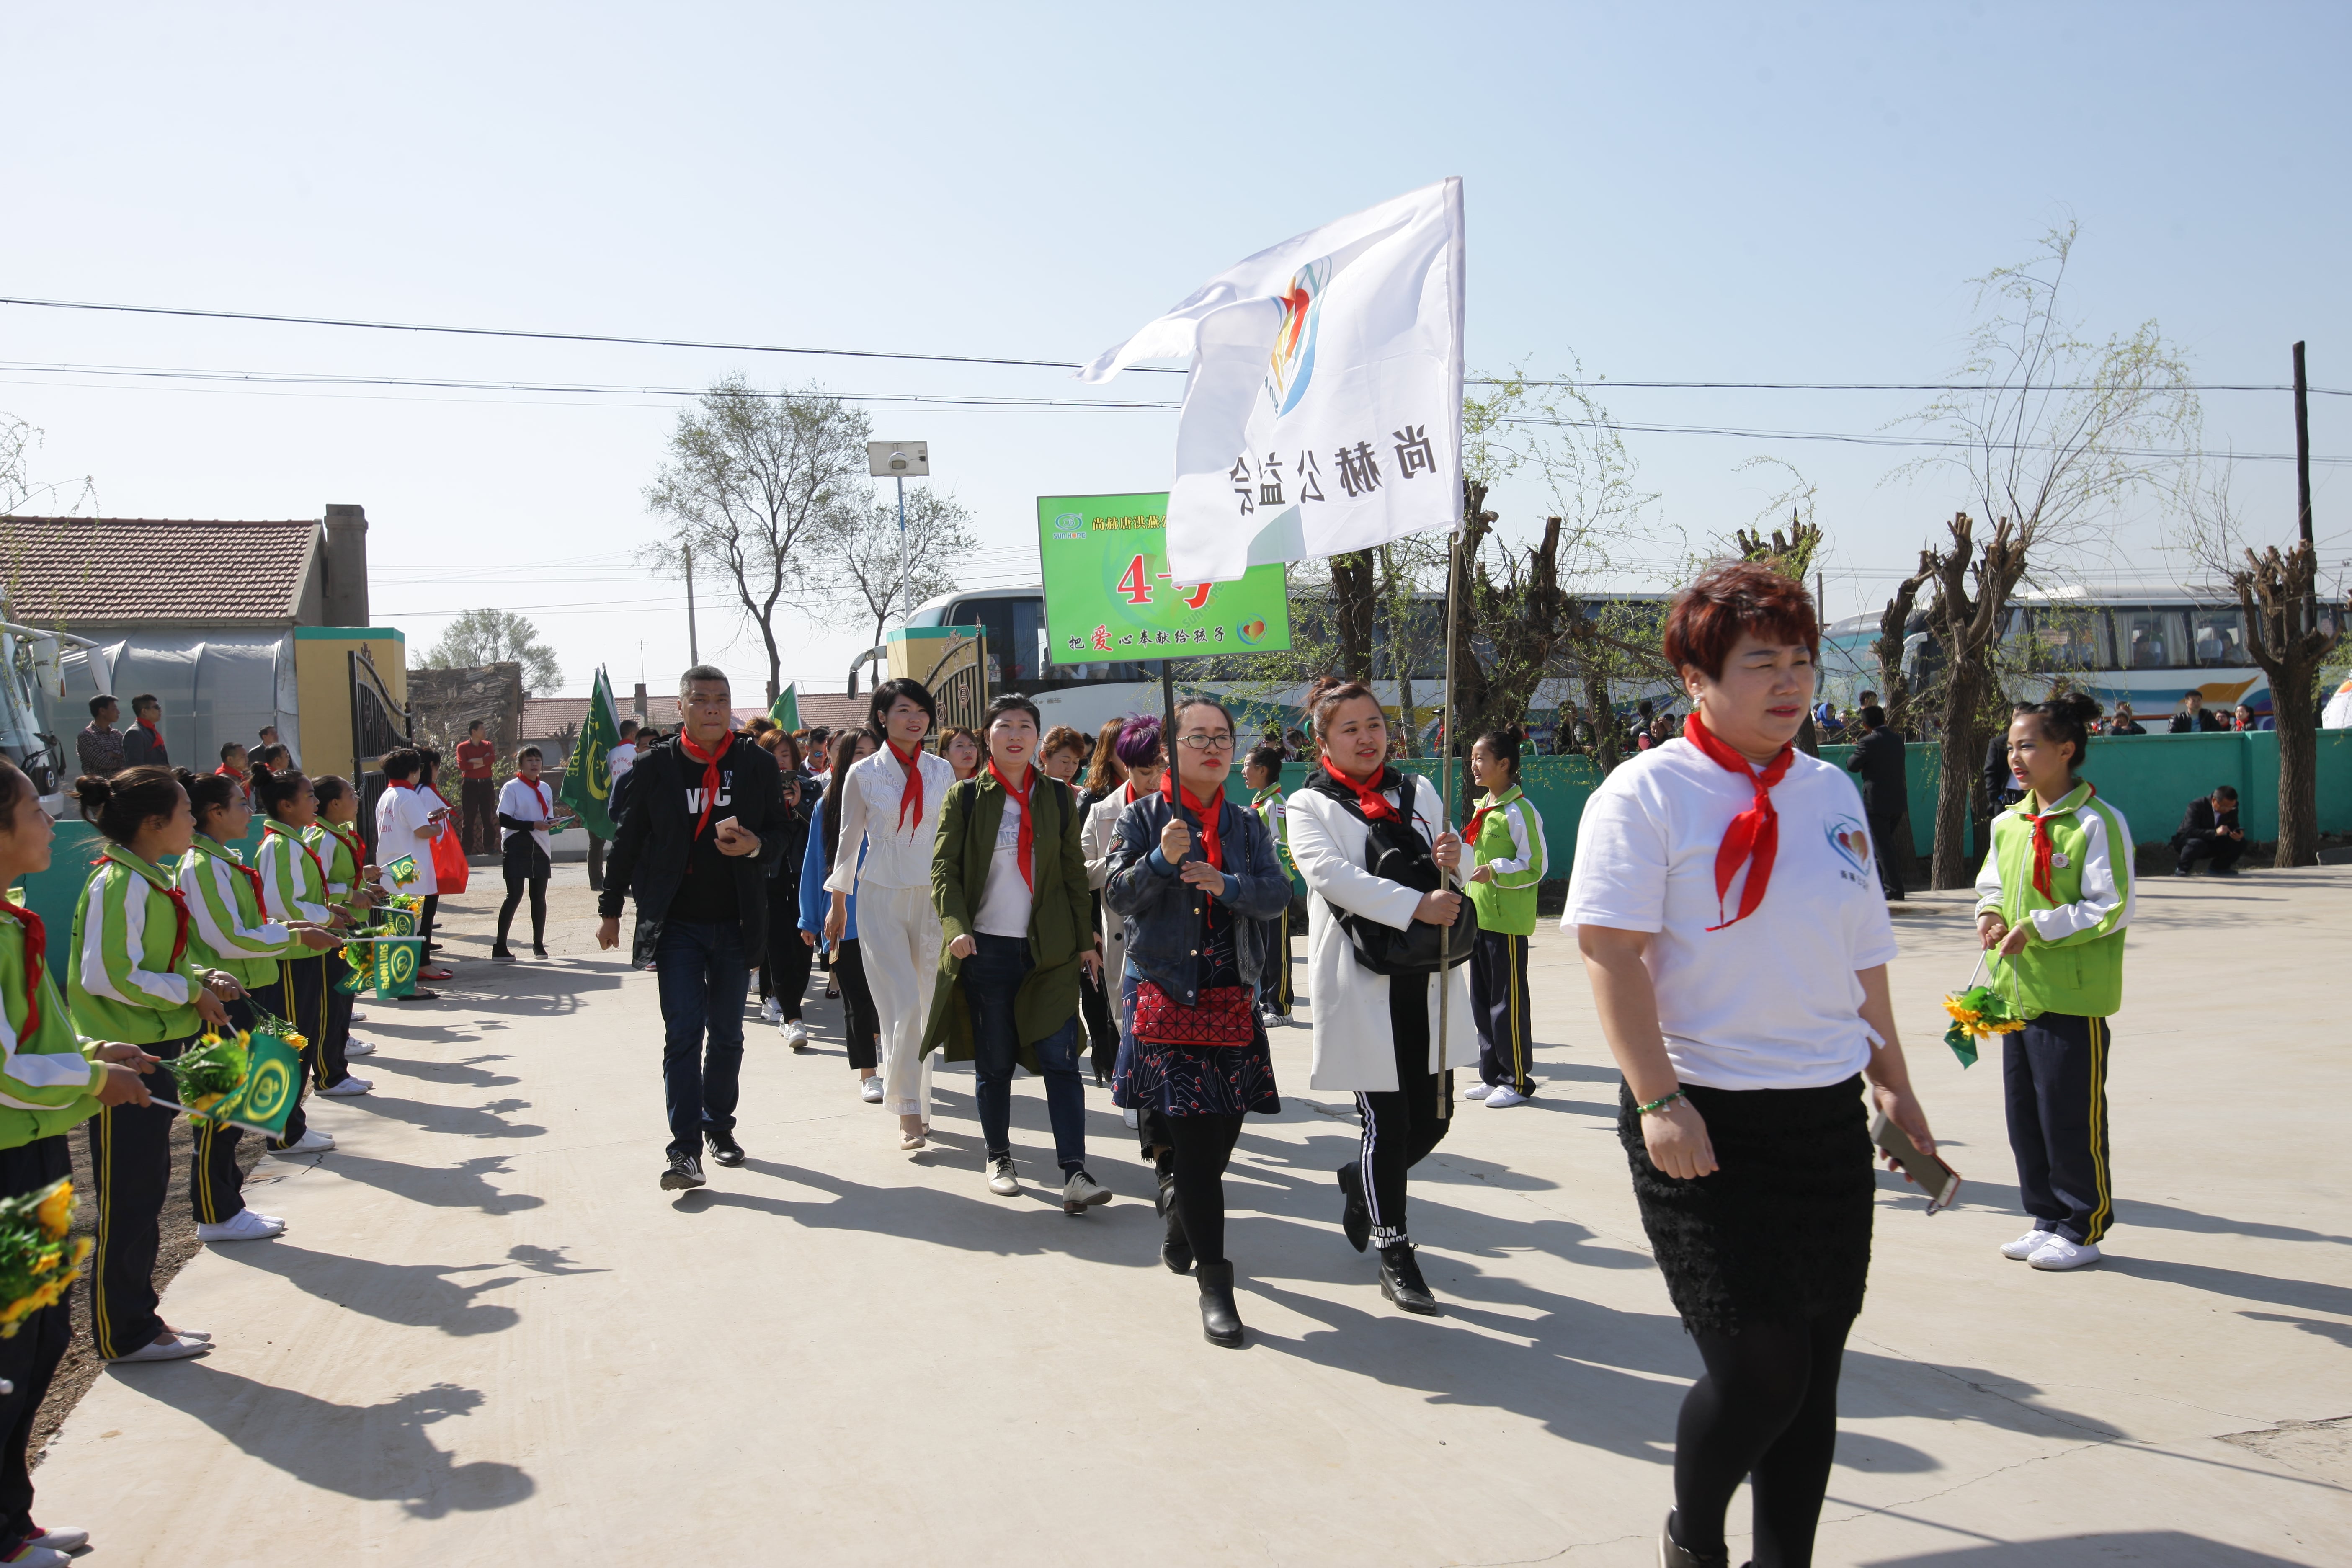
[[1164, 915]]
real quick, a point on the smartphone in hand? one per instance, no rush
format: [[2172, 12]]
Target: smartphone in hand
[[1937, 1179]]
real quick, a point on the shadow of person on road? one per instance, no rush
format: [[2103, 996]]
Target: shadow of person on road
[[463, 1185], [458, 1121], [2171, 1548], [419, 1295], [467, 1072]]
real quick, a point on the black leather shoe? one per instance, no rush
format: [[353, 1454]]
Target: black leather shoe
[[1400, 1279], [503, 955], [1356, 1219], [1221, 1321], [724, 1150], [685, 1172], [1175, 1247]]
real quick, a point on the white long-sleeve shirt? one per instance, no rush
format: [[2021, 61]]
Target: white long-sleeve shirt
[[896, 856]]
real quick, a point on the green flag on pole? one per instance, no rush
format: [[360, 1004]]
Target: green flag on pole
[[786, 709], [587, 782]]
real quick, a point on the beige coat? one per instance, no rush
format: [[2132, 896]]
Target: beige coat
[[1097, 836]]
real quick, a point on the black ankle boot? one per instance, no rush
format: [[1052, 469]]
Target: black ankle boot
[[1400, 1279], [1673, 1553], [1356, 1217], [1221, 1321], [1175, 1247]]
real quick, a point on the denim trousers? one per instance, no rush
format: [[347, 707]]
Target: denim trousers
[[704, 978], [991, 977]]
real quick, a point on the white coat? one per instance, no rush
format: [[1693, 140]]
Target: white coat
[[1354, 1049], [1098, 834]]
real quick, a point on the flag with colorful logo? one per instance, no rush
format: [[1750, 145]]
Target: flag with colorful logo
[[785, 711], [587, 785], [1323, 412], [252, 1079], [403, 871]]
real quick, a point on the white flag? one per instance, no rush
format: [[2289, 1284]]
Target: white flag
[[1324, 410]]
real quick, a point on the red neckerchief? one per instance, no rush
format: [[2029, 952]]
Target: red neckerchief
[[1376, 806], [1753, 839], [36, 945], [709, 760], [2044, 847], [252, 877], [911, 797], [294, 838], [350, 840], [153, 733], [179, 909], [1027, 845], [224, 771], [1204, 813], [538, 792]]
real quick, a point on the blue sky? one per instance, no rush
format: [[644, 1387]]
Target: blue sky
[[1697, 193]]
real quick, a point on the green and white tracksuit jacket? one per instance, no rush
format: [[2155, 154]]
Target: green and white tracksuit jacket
[[1511, 840], [1267, 803], [2074, 962], [132, 975], [49, 1080], [341, 857], [233, 932], [293, 877]]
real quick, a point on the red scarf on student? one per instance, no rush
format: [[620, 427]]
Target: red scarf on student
[[179, 909], [350, 838], [1753, 839], [1377, 807], [252, 877], [709, 760], [539, 793], [910, 799], [295, 839], [1023, 851], [35, 944], [1205, 813], [2044, 848]]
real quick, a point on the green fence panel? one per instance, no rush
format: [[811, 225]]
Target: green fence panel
[[53, 893]]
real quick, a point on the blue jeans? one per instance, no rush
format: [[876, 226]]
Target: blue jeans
[[992, 976], [704, 978]]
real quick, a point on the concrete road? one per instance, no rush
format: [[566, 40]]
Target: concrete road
[[488, 1338]]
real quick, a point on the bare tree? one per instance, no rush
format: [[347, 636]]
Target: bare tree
[[761, 487], [19, 490], [890, 574], [2050, 434], [1792, 555], [493, 637], [1894, 632], [1355, 604]]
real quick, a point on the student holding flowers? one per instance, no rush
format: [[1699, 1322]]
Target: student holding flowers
[[294, 889], [352, 881]]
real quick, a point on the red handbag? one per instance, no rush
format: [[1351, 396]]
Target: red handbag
[[1226, 1015]]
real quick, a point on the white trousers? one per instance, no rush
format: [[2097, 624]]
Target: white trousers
[[898, 941]]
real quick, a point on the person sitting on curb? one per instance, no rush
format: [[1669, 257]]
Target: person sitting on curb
[[2209, 830]]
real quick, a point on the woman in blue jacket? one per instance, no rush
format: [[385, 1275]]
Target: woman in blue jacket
[[860, 1022]]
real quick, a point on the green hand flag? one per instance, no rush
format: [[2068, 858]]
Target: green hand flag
[[587, 779], [786, 709], [403, 871], [254, 1082]]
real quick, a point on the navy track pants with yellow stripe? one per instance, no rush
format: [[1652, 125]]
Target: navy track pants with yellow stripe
[[2054, 1072], [1499, 1000], [131, 1158], [300, 995]]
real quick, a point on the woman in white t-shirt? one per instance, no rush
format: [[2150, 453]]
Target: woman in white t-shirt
[[1736, 941], [407, 821]]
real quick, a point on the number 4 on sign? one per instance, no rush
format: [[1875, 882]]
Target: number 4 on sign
[[1132, 583]]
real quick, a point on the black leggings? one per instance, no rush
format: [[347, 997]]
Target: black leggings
[[1403, 1125], [1765, 1412], [425, 923], [784, 972], [524, 867], [1202, 1145], [859, 1021]]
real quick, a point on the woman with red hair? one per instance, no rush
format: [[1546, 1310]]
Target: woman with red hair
[[1736, 941]]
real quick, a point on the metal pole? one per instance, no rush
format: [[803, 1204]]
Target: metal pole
[[1168, 741], [1446, 797], [905, 578], [693, 643], [2303, 486]]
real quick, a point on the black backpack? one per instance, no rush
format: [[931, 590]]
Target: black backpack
[[1396, 852]]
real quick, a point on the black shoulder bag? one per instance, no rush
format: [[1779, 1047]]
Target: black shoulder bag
[[1396, 852]]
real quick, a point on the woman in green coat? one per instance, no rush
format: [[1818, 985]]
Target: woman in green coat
[[1009, 880]]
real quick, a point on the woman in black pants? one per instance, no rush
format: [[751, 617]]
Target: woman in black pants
[[526, 814], [784, 971], [1195, 888], [1736, 941]]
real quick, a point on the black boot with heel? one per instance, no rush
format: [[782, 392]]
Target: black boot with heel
[[1221, 1321]]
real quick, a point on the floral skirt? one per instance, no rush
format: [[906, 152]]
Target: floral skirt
[[1191, 1081]]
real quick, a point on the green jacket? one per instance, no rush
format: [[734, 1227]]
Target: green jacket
[[1061, 909], [1267, 803], [231, 929], [1511, 840], [129, 977], [293, 876], [48, 1079], [2074, 962], [342, 856]]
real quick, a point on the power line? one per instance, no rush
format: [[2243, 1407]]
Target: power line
[[1927, 442]]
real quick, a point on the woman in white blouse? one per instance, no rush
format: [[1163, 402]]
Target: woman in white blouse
[[890, 807]]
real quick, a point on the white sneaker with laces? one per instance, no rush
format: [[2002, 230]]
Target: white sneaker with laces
[[2058, 1253], [314, 1141], [62, 1537], [1479, 1092], [242, 1225], [870, 1091], [772, 1011], [2026, 1246], [33, 1554], [797, 1035], [358, 1049], [352, 1084], [1503, 1096], [1001, 1180]]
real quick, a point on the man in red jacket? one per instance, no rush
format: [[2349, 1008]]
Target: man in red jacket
[[478, 802]]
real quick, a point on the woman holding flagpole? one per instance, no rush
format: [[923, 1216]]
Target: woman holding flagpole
[[890, 815], [1729, 914], [1376, 1034]]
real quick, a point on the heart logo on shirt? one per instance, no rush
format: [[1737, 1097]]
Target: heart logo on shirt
[[1852, 840]]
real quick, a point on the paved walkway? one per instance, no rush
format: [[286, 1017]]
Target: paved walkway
[[488, 1337]]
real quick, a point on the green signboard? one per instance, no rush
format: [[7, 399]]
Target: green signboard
[[1110, 595]]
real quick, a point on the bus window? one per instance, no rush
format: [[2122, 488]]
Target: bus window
[[2152, 639], [2218, 638], [2072, 639]]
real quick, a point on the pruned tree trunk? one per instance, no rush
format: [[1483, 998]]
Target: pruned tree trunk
[[1354, 604], [1967, 628], [1604, 716], [1895, 686], [2278, 591]]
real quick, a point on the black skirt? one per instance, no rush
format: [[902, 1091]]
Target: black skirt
[[1780, 1232]]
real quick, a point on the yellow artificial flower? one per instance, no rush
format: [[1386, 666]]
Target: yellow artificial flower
[[56, 1210]]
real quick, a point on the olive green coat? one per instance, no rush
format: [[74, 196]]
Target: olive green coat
[[1061, 910]]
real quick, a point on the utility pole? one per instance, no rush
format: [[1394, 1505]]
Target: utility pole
[[2302, 447], [693, 643]]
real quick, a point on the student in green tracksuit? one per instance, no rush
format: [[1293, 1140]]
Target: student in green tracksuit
[[1263, 773], [50, 1080], [2055, 898], [132, 977], [351, 881], [294, 889], [1505, 837]]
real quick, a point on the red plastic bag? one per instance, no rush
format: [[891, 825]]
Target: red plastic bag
[[449, 860]]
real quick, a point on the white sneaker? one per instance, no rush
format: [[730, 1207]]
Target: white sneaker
[[2057, 1252], [1502, 1096], [244, 1226], [358, 1049], [797, 1035], [2026, 1246], [313, 1141], [1133, 1119], [772, 1011], [65, 1538], [1479, 1092], [352, 1084], [33, 1554], [870, 1091], [163, 1349], [1001, 1180]]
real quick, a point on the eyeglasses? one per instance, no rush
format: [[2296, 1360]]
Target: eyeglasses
[[1201, 741]]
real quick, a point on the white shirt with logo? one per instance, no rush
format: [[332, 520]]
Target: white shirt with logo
[[1006, 899], [1772, 1001]]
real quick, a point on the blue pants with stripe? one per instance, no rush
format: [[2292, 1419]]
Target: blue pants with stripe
[[2054, 1072], [1499, 1000]]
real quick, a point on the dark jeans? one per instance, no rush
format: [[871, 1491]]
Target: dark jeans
[[991, 977], [2222, 852], [478, 812], [704, 977], [30, 1359]]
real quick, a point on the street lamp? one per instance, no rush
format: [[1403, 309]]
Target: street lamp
[[900, 460]]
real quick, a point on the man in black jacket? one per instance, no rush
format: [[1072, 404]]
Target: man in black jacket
[[2209, 830], [706, 814], [2194, 719], [1886, 796]]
